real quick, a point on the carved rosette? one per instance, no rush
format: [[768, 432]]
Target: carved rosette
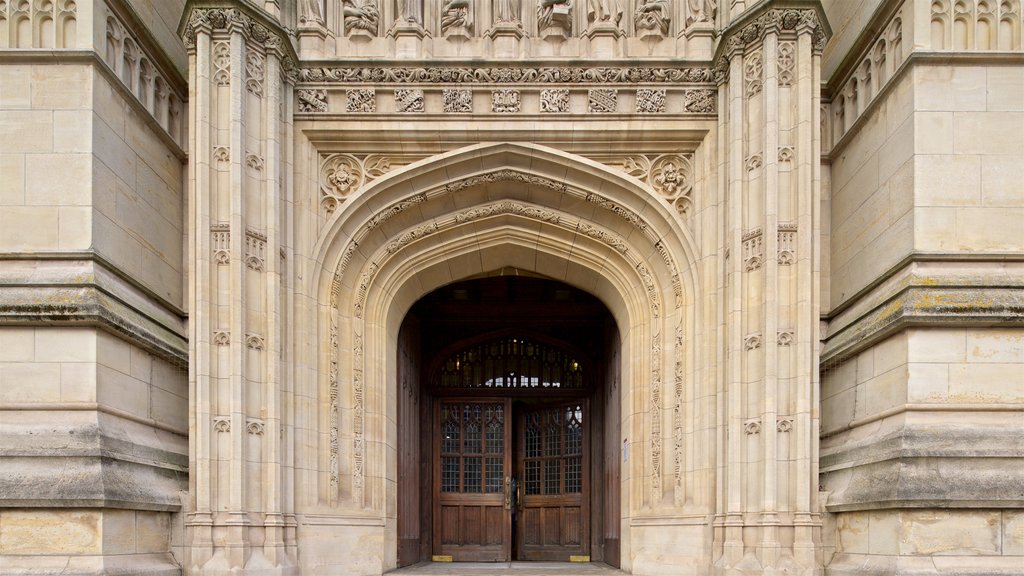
[[340, 176], [671, 175]]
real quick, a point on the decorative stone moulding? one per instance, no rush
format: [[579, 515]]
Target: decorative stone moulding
[[409, 100], [751, 427], [753, 250], [220, 239], [505, 100], [507, 75], [341, 175], [602, 100], [312, 100], [554, 100], [650, 100], [361, 100], [751, 29], [457, 100]]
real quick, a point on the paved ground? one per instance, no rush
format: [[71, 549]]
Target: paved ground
[[508, 568]]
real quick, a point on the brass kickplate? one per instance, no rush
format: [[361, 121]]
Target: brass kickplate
[[579, 558], [441, 558]]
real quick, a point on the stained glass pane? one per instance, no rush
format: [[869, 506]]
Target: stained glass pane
[[532, 480], [573, 475], [552, 475], [472, 429], [471, 480], [573, 430], [552, 434], [495, 429], [533, 435], [495, 475], [449, 474]]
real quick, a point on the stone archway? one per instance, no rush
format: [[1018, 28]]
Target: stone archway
[[480, 208]]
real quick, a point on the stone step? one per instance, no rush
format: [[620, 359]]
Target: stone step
[[508, 568]]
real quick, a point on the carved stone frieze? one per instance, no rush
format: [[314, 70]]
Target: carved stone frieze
[[554, 100], [221, 337], [255, 247], [751, 427], [222, 423], [506, 207], [753, 250], [602, 99], [753, 74], [650, 100], [254, 342], [678, 431], [508, 75], [238, 19], [784, 424], [221, 63], [409, 100], [254, 426], [220, 239], [752, 341], [361, 100], [787, 244], [254, 66], [457, 100], [604, 236], [775, 20], [504, 175], [785, 338], [700, 101], [505, 100], [312, 100], [786, 63]]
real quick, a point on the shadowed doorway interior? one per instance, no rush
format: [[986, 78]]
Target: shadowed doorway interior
[[508, 424]]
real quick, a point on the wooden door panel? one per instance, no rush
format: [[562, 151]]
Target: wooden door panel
[[472, 459], [554, 504]]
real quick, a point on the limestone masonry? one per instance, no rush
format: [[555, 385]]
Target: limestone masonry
[[753, 271]]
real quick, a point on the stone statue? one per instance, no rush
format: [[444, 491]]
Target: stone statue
[[653, 15], [410, 11], [311, 11], [700, 11], [506, 10], [604, 11], [554, 14], [455, 14], [360, 15]]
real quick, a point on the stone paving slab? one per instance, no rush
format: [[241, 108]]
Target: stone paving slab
[[505, 568]]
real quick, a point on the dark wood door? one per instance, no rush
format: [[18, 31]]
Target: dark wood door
[[552, 510], [472, 499]]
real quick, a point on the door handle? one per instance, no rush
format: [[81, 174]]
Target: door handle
[[508, 492], [519, 497]]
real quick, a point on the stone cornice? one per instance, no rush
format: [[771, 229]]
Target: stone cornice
[[921, 305], [256, 25], [777, 16], [469, 73]]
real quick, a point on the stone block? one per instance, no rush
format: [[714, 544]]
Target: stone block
[[118, 532], [944, 532], [1005, 88], [1003, 345], [35, 532], [72, 131], [15, 86], [12, 185], [74, 228], [933, 132], [78, 382], [152, 532], [947, 180], [927, 382], [937, 345], [58, 179], [987, 132], [63, 87], [29, 382], [1013, 532], [990, 382], [60, 344], [1002, 180], [17, 344], [995, 229], [28, 131]]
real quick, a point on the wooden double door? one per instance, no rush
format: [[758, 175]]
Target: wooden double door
[[510, 480]]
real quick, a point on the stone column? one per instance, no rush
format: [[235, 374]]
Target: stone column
[[768, 67], [241, 518]]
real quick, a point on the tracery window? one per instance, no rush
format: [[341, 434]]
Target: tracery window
[[511, 363]]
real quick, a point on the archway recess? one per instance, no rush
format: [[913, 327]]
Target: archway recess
[[468, 213]]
